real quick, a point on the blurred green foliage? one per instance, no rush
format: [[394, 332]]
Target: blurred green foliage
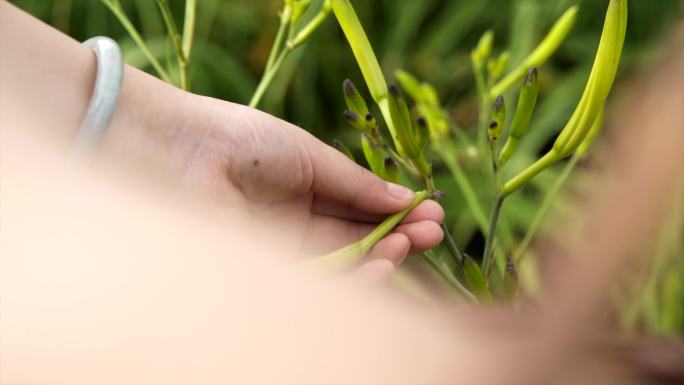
[[430, 38]]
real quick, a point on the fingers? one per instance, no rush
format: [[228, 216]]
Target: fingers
[[424, 235], [428, 210], [326, 233], [338, 178], [394, 248]]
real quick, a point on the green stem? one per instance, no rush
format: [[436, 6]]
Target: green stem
[[519, 180], [348, 255], [189, 27], [447, 152], [443, 270], [115, 7], [451, 244], [268, 77], [280, 37], [487, 256], [176, 40], [539, 216]]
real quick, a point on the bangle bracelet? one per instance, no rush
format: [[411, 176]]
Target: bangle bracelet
[[105, 95]]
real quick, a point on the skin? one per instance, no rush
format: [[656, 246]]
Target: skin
[[259, 166]]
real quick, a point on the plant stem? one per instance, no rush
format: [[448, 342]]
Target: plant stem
[[348, 255], [491, 235], [447, 152], [539, 216], [115, 7], [519, 180], [268, 77], [189, 27], [443, 270], [176, 40], [451, 244]]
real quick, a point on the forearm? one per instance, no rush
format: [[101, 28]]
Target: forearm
[[47, 78]]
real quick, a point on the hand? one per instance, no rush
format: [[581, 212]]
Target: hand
[[291, 180]]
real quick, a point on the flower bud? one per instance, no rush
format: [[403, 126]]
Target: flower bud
[[527, 102], [392, 170], [374, 157], [422, 133], [498, 119], [402, 122], [483, 50], [496, 67], [541, 54], [354, 100]]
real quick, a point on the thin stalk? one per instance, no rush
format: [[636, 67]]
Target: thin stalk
[[491, 235], [268, 77], [447, 153], [115, 7], [176, 40], [189, 27], [451, 244], [348, 255], [280, 37], [443, 270], [539, 216]]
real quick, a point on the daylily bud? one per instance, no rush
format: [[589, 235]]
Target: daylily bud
[[392, 170], [541, 54], [475, 279], [483, 50], [498, 119], [355, 120], [402, 122], [353, 99], [527, 101], [374, 157], [496, 67], [410, 85], [339, 146], [422, 133]]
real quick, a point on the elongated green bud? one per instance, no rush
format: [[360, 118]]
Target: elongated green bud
[[498, 119], [496, 67], [392, 170], [422, 133], [527, 102], [475, 279], [402, 122], [410, 85], [541, 54], [600, 81], [353, 99], [430, 95], [483, 50], [595, 94], [374, 157], [339, 146]]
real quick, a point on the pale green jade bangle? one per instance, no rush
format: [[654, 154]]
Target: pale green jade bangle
[[105, 95]]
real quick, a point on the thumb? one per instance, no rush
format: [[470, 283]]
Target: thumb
[[338, 178]]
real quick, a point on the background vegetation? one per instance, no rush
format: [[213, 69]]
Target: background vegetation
[[433, 40]]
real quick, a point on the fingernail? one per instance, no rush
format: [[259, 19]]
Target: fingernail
[[400, 192]]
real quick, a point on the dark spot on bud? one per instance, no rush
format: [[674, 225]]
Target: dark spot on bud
[[389, 162], [498, 103], [532, 74], [349, 88], [422, 121], [394, 90], [493, 124], [369, 117]]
